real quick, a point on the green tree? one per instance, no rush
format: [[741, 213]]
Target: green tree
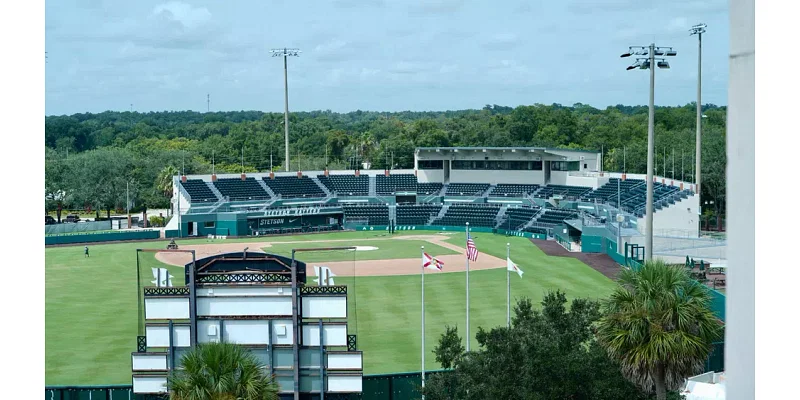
[[221, 371], [658, 326], [546, 354]]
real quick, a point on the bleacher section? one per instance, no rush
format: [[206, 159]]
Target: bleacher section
[[466, 189], [237, 189], [608, 192], [199, 191], [516, 217], [385, 185], [554, 217], [416, 214], [375, 214], [429, 188], [511, 190], [294, 187], [483, 215], [346, 185], [566, 191]]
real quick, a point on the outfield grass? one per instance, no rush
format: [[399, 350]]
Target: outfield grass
[[91, 313], [386, 249]]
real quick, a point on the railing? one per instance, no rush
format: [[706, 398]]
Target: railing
[[587, 173]]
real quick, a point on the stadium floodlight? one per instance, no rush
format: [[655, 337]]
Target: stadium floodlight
[[628, 54], [286, 52], [646, 63], [698, 30]]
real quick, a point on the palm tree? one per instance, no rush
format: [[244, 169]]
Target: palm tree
[[221, 371], [659, 326]]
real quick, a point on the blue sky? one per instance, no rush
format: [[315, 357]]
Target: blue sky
[[382, 55]]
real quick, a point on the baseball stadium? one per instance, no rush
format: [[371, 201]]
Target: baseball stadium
[[362, 234]]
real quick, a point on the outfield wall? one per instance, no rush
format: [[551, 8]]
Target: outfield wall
[[101, 237], [440, 228]]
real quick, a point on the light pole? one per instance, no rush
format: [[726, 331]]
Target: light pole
[[286, 53], [698, 30], [650, 52]]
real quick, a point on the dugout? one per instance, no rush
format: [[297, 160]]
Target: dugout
[[290, 220]]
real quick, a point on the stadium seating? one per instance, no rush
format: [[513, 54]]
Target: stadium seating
[[563, 190], [466, 189], [294, 187], [512, 190], [554, 217], [416, 214], [429, 188], [198, 190], [395, 183], [373, 214], [346, 185], [608, 192], [237, 189], [516, 217], [483, 215]]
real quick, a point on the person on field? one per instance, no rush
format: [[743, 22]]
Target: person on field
[[86, 251]]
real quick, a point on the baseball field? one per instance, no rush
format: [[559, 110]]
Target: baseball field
[[91, 302]]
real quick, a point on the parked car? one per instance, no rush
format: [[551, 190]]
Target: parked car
[[72, 218], [48, 220]]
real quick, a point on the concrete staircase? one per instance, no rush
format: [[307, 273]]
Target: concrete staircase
[[214, 189], [444, 189], [266, 188], [535, 217], [393, 213], [489, 190], [501, 215], [439, 215], [321, 186], [372, 191]]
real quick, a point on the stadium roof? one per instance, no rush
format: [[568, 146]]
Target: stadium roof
[[456, 149]]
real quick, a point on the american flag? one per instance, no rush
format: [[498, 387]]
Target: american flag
[[472, 251]]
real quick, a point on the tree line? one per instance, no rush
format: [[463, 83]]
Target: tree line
[[90, 157]]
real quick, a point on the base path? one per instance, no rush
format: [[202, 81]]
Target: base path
[[404, 266], [600, 262]]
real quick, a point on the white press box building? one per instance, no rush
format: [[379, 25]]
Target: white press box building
[[258, 300]]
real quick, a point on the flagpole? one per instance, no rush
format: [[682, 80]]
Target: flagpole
[[422, 274], [508, 286], [468, 337]]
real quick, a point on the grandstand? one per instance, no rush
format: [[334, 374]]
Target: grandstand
[[533, 190], [349, 185], [238, 189], [294, 187]]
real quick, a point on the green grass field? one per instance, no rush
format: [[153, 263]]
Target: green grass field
[[91, 303]]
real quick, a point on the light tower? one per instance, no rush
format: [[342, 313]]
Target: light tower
[[698, 30], [286, 53], [646, 59]]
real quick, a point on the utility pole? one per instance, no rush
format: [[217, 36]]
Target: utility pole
[[208, 102], [286, 53], [650, 63], [698, 30], [673, 163]]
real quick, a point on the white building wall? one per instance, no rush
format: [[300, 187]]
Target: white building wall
[[495, 176], [430, 175], [680, 219]]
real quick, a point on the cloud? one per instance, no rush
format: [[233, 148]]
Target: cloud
[[501, 41], [358, 3], [436, 7], [405, 67], [188, 16], [616, 6]]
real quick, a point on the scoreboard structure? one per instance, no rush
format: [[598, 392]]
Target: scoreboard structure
[[261, 301]]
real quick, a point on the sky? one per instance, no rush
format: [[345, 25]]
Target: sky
[[377, 55]]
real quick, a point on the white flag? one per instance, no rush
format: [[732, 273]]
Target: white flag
[[513, 267], [324, 275], [162, 278]]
